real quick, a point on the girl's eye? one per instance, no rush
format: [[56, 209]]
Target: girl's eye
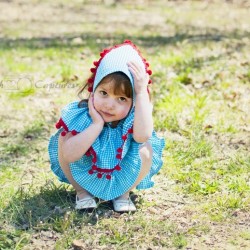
[[103, 93], [122, 99]]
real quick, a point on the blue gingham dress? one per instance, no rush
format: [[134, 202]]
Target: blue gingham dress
[[78, 118]]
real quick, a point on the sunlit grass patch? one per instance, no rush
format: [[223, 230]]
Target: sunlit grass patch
[[35, 129], [22, 93], [15, 149], [245, 235], [174, 101], [128, 232], [14, 239]]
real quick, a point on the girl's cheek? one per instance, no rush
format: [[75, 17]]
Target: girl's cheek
[[95, 102], [125, 113]]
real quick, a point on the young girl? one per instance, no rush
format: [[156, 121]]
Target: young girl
[[106, 146]]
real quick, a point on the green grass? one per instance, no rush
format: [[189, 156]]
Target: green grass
[[200, 61]]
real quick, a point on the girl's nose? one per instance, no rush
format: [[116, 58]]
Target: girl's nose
[[110, 104]]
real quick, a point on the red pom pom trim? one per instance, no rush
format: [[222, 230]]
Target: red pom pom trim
[[119, 150], [90, 80], [73, 132], [99, 175], [91, 171], [63, 133], [108, 177], [117, 167], [96, 63], [124, 137], [58, 125], [127, 41], [149, 71]]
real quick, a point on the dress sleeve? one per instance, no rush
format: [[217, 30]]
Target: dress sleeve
[[74, 119]]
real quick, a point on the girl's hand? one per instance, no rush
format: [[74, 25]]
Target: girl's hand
[[96, 117], [141, 78]]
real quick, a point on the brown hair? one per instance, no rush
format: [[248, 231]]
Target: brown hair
[[122, 85]]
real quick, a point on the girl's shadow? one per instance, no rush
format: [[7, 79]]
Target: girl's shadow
[[50, 206]]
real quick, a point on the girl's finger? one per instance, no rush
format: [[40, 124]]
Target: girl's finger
[[134, 71], [91, 102], [136, 66]]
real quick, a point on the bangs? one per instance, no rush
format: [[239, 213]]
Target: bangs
[[121, 84]]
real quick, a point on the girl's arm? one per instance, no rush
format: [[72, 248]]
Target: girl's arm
[[143, 121], [74, 147]]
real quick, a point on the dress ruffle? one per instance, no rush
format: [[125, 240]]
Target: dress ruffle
[[78, 119]]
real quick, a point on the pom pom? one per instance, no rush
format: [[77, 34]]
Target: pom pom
[[63, 133], [147, 64], [119, 150], [96, 63], [127, 41], [103, 53], [93, 70], [130, 131], [73, 132], [124, 137], [94, 167], [108, 176], [118, 156], [99, 175], [58, 125], [94, 160], [90, 80], [150, 81], [91, 171], [90, 89], [149, 72], [117, 167]]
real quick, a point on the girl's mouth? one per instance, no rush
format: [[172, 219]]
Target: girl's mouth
[[107, 114]]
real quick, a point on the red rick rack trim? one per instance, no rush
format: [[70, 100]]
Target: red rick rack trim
[[93, 70], [100, 172]]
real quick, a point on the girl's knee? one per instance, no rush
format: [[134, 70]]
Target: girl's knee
[[62, 161], [146, 152]]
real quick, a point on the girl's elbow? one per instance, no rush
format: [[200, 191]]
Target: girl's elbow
[[142, 138]]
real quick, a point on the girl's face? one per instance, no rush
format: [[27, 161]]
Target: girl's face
[[112, 107]]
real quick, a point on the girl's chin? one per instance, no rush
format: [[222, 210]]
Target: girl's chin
[[105, 119]]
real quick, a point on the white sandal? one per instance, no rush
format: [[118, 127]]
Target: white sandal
[[85, 203], [123, 205]]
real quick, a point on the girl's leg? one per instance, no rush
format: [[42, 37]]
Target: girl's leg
[[81, 193], [146, 154]]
